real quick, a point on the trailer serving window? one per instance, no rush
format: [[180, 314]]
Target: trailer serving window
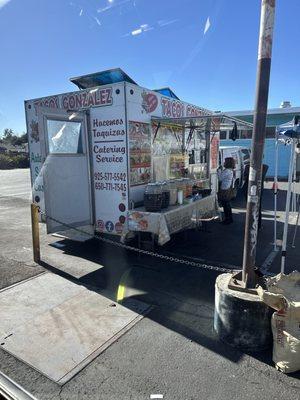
[[188, 146], [179, 151]]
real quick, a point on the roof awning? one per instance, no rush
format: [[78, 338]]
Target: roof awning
[[102, 78], [166, 91], [290, 129], [211, 122]]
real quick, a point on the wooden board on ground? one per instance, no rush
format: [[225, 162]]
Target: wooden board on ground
[[58, 327]]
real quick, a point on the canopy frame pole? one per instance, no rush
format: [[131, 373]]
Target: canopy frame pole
[[296, 226], [294, 200], [287, 208], [275, 193], [156, 132]]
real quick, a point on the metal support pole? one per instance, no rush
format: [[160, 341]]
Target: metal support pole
[[287, 208], [258, 140], [296, 226], [294, 200], [35, 233], [275, 189]]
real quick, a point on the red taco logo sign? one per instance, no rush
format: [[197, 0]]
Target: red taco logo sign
[[150, 102]]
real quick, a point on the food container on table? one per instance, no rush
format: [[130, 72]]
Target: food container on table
[[153, 197], [180, 196], [202, 188], [165, 195], [173, 192], [181, 185], [200, 184], [188, 186]]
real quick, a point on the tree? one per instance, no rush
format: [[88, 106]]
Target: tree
[[24, 138], [10, 138], [7, 135]]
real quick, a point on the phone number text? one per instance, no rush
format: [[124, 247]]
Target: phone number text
[[110, 176], [119, 187]]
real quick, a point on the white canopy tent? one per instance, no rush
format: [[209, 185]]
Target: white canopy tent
[[287, 134]]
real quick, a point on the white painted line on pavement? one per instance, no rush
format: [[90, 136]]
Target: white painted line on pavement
[[268, 261], [14, 194]]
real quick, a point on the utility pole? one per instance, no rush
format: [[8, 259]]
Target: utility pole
[[258, 140], [238, 308]]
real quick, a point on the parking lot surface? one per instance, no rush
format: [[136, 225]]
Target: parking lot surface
[[173, 351]]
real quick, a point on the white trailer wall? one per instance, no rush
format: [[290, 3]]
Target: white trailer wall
[[115, 115], [107, 144], [110, 162]]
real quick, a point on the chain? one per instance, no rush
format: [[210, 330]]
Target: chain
[[140, 251]]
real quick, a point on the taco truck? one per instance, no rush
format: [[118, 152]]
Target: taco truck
[[95, 150]]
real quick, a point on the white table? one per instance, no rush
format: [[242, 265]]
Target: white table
[[171, 220]]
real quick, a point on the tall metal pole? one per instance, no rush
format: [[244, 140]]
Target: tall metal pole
[[275, 189], [287, 208], [258, 140]]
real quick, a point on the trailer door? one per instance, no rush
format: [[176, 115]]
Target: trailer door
[[66, 172]]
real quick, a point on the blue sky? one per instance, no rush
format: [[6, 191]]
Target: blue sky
[[205, 50]]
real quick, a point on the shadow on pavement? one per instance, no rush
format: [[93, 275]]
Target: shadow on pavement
[[183, 296]]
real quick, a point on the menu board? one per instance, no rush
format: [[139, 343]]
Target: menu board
[[140, 153], [178, 165], [167, 141]]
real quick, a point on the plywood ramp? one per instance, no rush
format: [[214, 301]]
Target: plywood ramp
[[58, 327]]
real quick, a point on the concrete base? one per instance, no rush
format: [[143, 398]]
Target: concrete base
[[241, 319]]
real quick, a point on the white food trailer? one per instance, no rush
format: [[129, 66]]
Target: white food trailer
[[92, 151]]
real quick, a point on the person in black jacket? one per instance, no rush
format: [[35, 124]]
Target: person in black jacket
[[226, 181]]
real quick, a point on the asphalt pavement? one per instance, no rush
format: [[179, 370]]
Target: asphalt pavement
[[173, 351]]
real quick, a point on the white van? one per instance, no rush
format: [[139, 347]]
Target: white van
[[241, 155]]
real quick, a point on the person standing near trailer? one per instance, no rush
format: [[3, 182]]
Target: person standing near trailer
[[226, 190]]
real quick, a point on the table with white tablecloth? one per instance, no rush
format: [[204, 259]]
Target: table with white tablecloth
[[171, 220]]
